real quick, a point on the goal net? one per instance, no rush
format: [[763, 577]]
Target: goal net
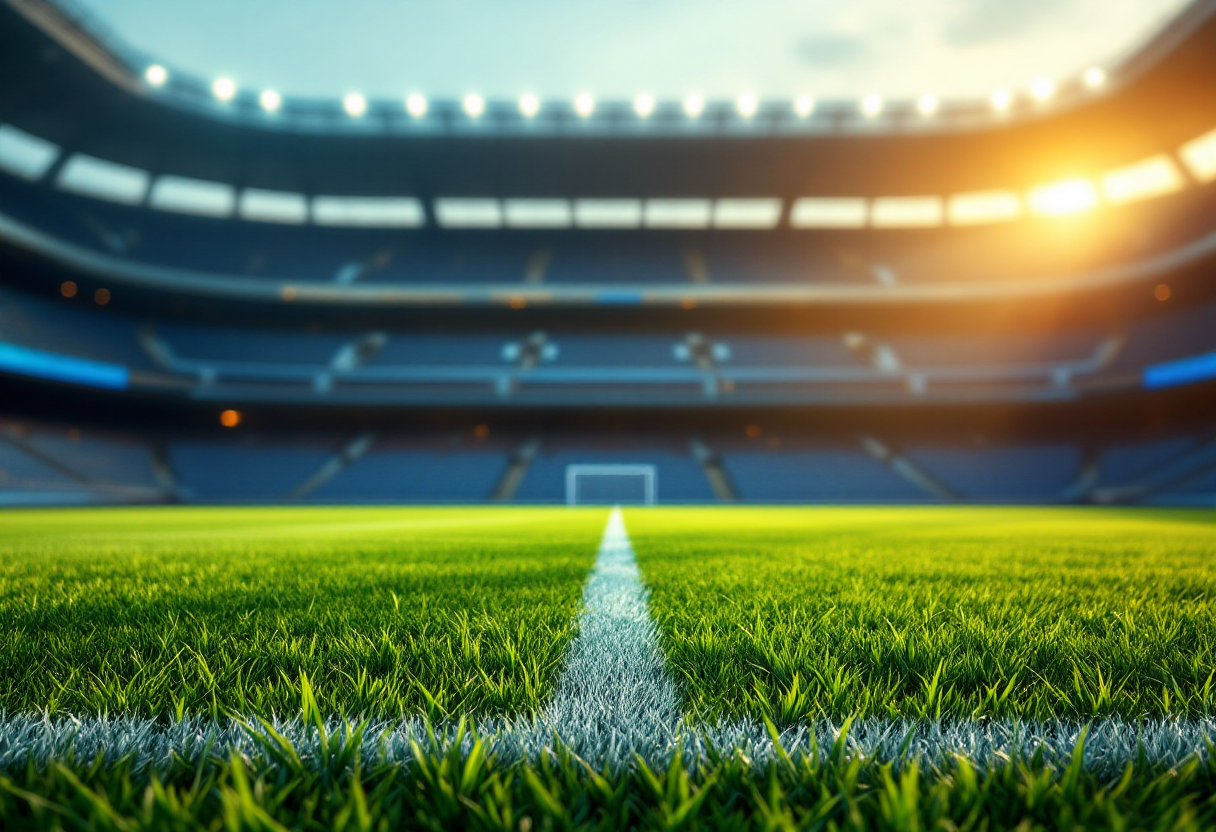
[[610, 485]]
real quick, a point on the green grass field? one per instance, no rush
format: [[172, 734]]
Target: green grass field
[[954, 617], [799, 613], [445, 612]]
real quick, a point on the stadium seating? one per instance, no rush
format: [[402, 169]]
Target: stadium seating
[[366, 314], [226, 472], [1005, 474], [396, 475], [816, 475]]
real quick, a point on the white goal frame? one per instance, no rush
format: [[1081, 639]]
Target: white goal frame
[[648, 473]]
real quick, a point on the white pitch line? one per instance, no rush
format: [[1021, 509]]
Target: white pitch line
[[615, 697], [149, 743]]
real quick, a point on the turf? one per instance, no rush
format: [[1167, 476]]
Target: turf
[[796, 614], [380, 612], [802, 616]]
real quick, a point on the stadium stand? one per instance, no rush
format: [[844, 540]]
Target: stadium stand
[[359, 296], [824, 475]]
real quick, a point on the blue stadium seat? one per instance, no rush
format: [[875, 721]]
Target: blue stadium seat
[[800, 475], [1008, 473], [416, 476]]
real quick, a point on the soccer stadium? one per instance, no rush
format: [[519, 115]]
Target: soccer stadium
[[608, 415]]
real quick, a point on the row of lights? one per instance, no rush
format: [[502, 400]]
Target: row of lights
[[871, 106]]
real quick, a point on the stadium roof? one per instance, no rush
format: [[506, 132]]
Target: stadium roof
[[618, 49]]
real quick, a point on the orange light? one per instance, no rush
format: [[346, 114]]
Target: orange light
[[67, 289], [517, 302], [481, 431], [752, 431], [1071, 196], [1162, 292], [688, 303], [101, 297], [230, 418]]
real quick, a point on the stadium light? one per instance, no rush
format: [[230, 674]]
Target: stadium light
[[270, 101], [474, 105], [415, 105], [983, 207], [747, 104], [927, 104], [804, 105], [1094, 77], [223, 88], [694, 105], [1042, 89], [529, 105], [643, 105], [156, 75], [354, 104], [1199, 155], [871, 105], [1146, 179], [1001, 100], [1071, 196], [584, 104], [906, 212]]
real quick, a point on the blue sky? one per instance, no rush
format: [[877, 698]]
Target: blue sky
[[618, 48]]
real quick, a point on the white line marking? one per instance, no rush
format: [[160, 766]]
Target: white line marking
[[1110, 743], [615, 697]]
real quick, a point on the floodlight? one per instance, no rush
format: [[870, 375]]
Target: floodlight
[[1001, 100], [906, 211], [181, 195], [100, 179], [982, 207], [24, 155], [927, 104], [746, 105], [643, 105], [156, 75], [474, 105], [694, 105], [804, 105], [415, 105], [270, 100], [1094, 77], [871, 105], [1146, 179], [1070, 196], [828, 212], [224, 89], [1200, 156], [1042, 88], [584, 104], [354, 104], [529, 105]]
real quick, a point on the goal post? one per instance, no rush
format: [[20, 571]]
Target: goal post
[[611, 484]]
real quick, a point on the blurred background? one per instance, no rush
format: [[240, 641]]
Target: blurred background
[[542, 252]]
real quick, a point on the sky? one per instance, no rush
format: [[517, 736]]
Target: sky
[[615, 49]]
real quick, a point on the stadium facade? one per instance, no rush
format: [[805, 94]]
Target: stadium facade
[[224, 301]]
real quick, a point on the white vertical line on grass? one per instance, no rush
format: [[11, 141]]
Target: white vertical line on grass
[[615, 697]]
